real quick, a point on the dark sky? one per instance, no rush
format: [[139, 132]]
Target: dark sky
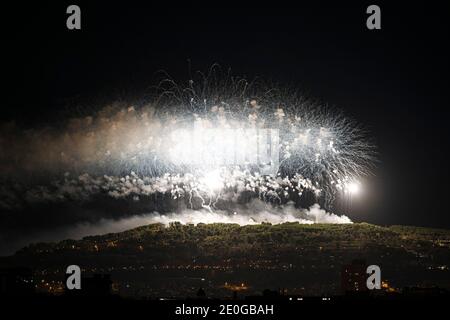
[[394, 81]]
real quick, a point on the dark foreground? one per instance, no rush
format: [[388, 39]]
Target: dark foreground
[[115, 307]]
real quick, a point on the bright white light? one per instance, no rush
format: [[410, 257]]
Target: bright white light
[[214, 147], [353, 188], [212, 180]]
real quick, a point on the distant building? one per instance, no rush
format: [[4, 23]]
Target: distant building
[[354, 277], [270, 293], [16, 282]]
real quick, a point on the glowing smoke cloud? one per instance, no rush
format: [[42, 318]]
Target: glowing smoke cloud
[[255, 213]]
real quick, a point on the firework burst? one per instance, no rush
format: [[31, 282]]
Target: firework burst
[[213, 137]]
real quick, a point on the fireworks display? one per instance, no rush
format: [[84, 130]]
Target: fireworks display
[[217, 141]]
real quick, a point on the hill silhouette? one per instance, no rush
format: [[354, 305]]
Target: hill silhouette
[[177, 260]]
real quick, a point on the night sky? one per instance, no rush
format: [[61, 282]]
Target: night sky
[[394, 81]]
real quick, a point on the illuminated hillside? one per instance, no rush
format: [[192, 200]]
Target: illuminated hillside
[[305, 259]]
